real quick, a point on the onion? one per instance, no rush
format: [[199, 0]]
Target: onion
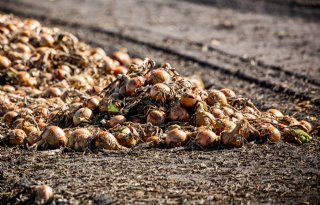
[[160, 92], [176, 138], [288, 120], [79, 139], [228, 111], [115, 120], [82, 115], [178, 113], [43, 194], [119, 70], [9, 117], [46, 40], [271, 132], [133, 84], [127, 137], [207, 138], [216, 96], [217, 113], [223, 125], [93, 102], [228, 92], [306, 125], [158, 76], [54, 137], [189, 100], [105, 140], [122, 57], [231, 138], [276, 113], [53, 92], [203, 118], [62, 74], [33, 138], [156, 117], [4, 62], [16, 137]]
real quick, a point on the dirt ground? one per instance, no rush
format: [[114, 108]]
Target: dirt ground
[[268, 51]]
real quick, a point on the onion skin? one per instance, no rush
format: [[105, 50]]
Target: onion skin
[[133, 84], [189, 100], [82, 115], [216, 97], [176, 138], [207, 138], [202, 118], [9, 117], [115, 120], [16, 137], [178, 113], [4, 62], [271, 132], [54, 137], [231, 138], [93, 103], [79, 139], [306, 126], [158, 76], [127, 137], [276, 113], [43, 194], [228, 92], [160, 92], [105, 140], [156, 117]]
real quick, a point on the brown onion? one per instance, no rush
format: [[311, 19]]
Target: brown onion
[[33, 138], [189, 100], [158, 76], [306, 125], [16, 137], [133, 84], [207, 138], [160, 92], [122, 57], [275, 112], [54, 137], [127, 137], [231, 138], [203, 118], [82, 115], [228, 92], [178, 113], [115, 120], [176, 138], [93, 102], [156, 117], [79, 139], [271, 132], [43, 194], [216, 96], [4, 62], [9, 117], [105, 140], [217, 113]]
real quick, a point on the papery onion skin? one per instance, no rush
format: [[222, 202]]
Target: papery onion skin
[[17, 137], [115, 120], [178, 113], [207, 138], [156, 117], [82, 115], [160, 92], [54, 137], [43, 194], [176, 138], [105, 140]]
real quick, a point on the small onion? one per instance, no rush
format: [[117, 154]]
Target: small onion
[[82, 115], [306, 125], [207, 138], [105, 140], [33, 138], [115, 120], [275, 112], [158, 76], [127, 137], [93, 102], [176, 138], [271, 132], [156, 117], [160, 92], [79, 139], [4, 62], [16, 137], [133, 84], [178, 113], [122, 57], [189, 100], [217, 113], [228, 92], [202, 118], [54, 137], [43, 194], [231, 138], [216, 96], [9, 117]]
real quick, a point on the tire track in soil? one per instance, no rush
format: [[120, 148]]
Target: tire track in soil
[[230, 64]]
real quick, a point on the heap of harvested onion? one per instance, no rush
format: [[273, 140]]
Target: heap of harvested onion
[[59, 92]]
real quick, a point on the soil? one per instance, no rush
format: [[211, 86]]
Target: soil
[[268, 53]]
